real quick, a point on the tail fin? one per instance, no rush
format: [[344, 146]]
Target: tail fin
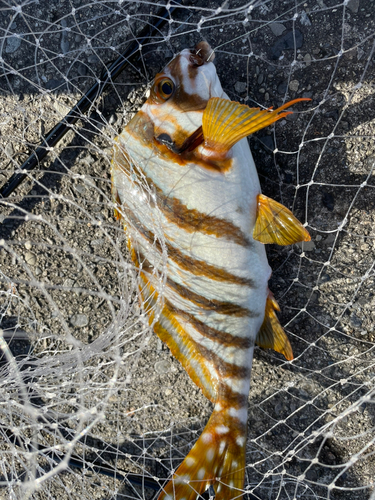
[[217, 458]]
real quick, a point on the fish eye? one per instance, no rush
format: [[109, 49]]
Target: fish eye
[[164, 88]]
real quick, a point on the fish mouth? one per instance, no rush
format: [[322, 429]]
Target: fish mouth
[[189, 144], [201, 54]]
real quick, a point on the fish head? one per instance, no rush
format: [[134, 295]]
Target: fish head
[[179, 95]]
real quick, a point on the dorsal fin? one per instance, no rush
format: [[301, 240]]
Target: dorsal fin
[[226, 122], [276, 224], [271, 334]]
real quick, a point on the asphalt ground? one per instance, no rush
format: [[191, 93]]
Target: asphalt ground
[[81, 351]]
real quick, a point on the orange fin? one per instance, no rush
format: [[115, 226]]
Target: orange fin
[[217, 458], [171, 332], [276, 224], [225, 122], [271, 334]]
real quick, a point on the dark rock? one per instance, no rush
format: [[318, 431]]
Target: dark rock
[[13, 43], [311, 475], [328, 201], [333, 114], [282, 88], [55, 84], [324, 278], [93, 59], [82, 69], [353, 5], [267, 141], [286, 42], [288, 178], [355, 322]]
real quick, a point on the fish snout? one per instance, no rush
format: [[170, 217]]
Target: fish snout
[[201, 54]]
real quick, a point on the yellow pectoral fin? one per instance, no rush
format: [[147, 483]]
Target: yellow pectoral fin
[[271, 334], [226, 122], [276, 224]]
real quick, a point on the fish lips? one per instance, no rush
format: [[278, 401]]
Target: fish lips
[[201, 54]]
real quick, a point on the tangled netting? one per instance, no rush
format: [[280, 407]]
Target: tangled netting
[[92, 404]]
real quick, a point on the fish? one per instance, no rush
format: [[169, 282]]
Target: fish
[[186, 189]]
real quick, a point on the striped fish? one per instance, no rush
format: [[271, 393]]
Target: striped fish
[[182, 169]]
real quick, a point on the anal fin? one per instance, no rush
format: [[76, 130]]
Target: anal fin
[[172, 333], [276, 224], [226, 122], [271, 334]]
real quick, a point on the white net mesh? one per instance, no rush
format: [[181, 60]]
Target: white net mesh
[[92, 405]]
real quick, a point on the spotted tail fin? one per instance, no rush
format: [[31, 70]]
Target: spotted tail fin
[[217, 458]]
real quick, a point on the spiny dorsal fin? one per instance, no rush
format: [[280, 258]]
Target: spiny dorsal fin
[[271, 334], [226, 122], [276, 224]]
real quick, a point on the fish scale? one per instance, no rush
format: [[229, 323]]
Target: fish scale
[[184, 181]]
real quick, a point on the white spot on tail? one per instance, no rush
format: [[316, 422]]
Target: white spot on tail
[[190, 461], [210, 455], [222, 429], [241, 414], [222, 447], [207, 437], [201, 473], [242, 385], [185, 478], [240, 441]]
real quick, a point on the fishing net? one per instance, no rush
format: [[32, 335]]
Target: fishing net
[[92, 404]]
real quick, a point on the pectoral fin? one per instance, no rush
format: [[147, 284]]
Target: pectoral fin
[[276, 224], [271, 334], [226, 122]]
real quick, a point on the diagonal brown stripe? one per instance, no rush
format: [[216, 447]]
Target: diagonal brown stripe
[[224, 338], [202, 268], [175, 211], [192, 220], [224, 368], [217, 306], [194, 266], [230, 398]]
